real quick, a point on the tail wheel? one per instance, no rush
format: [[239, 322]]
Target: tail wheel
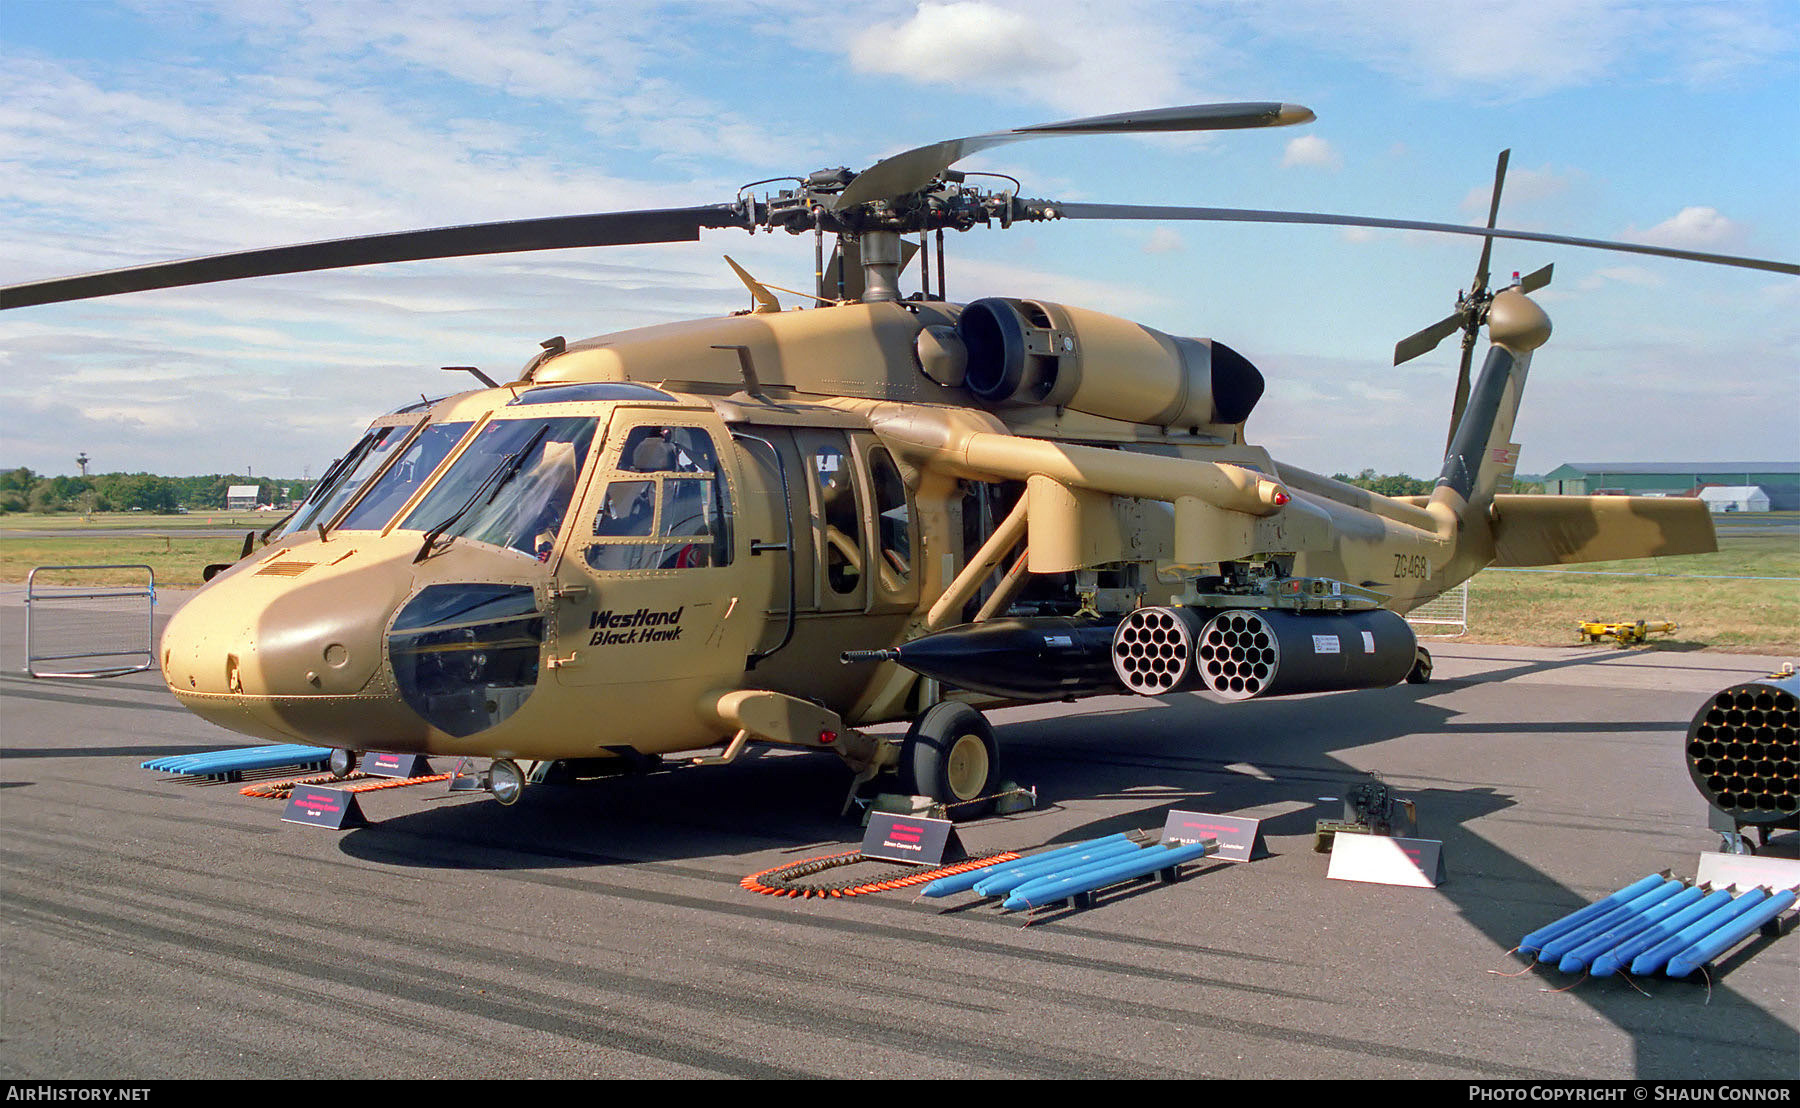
[[950, 756]]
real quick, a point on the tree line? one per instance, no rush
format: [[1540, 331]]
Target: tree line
[[21, 490], [24, 491], [1399, 484]]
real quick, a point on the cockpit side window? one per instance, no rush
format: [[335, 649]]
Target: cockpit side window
[[666, 505]]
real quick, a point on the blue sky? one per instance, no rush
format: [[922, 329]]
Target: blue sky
[[140, 131]]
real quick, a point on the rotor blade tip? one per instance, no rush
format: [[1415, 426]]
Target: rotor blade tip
[[1294, 113]]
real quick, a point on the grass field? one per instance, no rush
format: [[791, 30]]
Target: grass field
[[100, 522], [178, 552], [1744, 598], [1731, 600]]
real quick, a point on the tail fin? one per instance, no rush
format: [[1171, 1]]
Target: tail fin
[[1482, 455]]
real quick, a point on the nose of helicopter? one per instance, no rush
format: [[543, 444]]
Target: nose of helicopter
[[291, 648]]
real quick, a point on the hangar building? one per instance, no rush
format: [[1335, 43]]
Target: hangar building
[[1780, 480]]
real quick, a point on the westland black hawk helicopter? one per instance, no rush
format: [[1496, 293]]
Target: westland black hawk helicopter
[[788, 526]]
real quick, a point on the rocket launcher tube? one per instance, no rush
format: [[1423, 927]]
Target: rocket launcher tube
[[1146, 861], [1532, 942], [1068, 862], [1730, 935], [1554, 950], [1611, 961], [1579, 958], [959, 882], [1654, 959]]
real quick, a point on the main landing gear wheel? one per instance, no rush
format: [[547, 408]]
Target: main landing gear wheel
[[1421, 668], [343, 763], [950, 756]]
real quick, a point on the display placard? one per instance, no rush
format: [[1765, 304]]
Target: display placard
[[316, 806], [1748, 871], [380, 764], [1240, 838], [1381, 860], [901, 838]]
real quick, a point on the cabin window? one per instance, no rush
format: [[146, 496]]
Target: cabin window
[[834, 486], [667, 505], [893, 521]]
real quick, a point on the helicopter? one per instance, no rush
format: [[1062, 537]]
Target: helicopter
[[789, 526]]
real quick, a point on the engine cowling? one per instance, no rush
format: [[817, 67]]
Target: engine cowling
[[1031, 352]]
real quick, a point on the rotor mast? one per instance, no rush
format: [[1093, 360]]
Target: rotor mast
[[881, 267]]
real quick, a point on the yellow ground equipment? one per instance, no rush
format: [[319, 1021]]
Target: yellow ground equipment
[[1626, 633]]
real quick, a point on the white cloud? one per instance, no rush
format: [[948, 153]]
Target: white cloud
[[1312, 152], [1084, 58], [1524, 188], [1164, 240], [962, 40], [972, 277], [1636, 276], [1513, 49], [1692, 228]]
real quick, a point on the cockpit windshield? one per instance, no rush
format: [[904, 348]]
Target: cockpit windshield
[[346, 476], [396, 486], [512, 486]]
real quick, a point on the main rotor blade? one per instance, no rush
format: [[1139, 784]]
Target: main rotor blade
[[1487, 244], [508, 237], [1426, 339], [914, 169], [1251, 215]]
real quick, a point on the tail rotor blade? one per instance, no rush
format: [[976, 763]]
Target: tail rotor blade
[[1487, 244], [1426, 340], [1536, 279]]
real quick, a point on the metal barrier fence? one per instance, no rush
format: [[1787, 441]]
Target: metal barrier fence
[[108, 627], [1445, 616]]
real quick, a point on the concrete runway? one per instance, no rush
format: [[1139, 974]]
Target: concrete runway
[[155, 928]]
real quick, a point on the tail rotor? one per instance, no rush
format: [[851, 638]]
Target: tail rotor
[[1471, 310]]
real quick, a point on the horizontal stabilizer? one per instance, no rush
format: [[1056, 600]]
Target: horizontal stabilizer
[[1536, 530]]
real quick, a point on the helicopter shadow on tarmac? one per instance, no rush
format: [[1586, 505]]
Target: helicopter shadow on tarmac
[[765, 800], [777, 799], [1184, 751]]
